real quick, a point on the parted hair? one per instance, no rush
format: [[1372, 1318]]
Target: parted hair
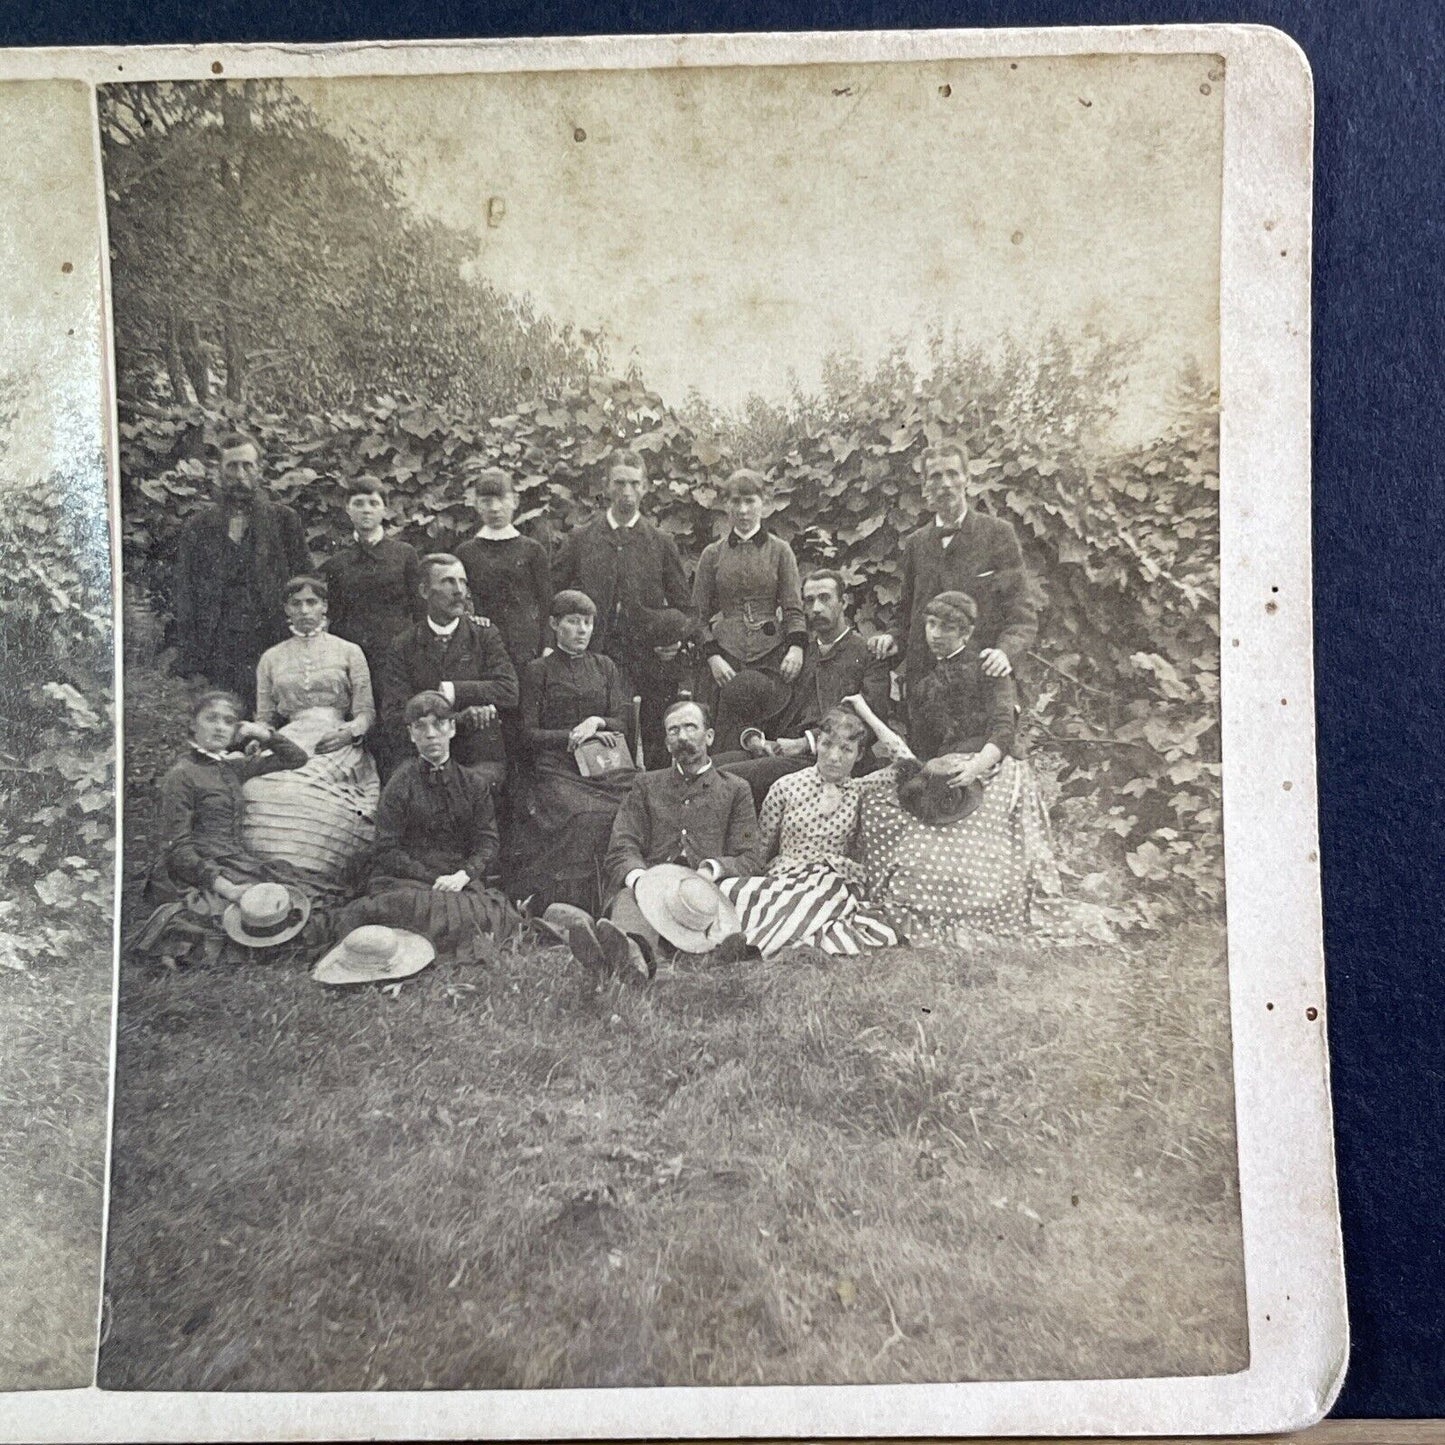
[[227, 441], [432, 561], [939, 450], [626, 457], [828, 574], [427, 704], [203, 700], [366, 485], [745, 482], [304, 580], [702, 707], [844, 725]]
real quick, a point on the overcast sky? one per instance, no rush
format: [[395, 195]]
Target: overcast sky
[[728, 226], [50, 317]]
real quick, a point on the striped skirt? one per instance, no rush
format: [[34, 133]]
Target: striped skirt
[[805, 904], [319, 818]]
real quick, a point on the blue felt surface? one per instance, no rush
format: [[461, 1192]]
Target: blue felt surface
[[1380, 586]]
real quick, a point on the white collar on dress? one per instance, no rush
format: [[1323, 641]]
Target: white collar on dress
[[499, 534], [618, 526]]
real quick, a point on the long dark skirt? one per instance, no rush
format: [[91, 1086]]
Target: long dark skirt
[[561, 824], [460, 925]]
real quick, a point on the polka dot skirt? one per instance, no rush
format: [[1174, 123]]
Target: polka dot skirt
[[979, 872]]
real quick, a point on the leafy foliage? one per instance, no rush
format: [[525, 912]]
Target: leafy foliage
[[57, 763], [1123, 698], [257, 251]]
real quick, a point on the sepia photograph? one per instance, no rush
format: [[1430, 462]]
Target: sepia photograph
[[57, 776], [673, 824]]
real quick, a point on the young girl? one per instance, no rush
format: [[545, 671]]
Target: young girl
[[747, 593], [509, 575]]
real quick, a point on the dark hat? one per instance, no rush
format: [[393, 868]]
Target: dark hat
[[753, 696], [928, 797], [658, 626]]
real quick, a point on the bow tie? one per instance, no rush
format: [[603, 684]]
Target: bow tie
[[947, 534], [756, 539], [433, 773]]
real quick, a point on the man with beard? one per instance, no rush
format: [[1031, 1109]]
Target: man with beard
[[633, 572], [961, 550], [836, 664], [233, 560], [460, 656]]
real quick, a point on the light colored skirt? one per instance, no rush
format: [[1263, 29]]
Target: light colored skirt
[[321, 817], [977, 874], [805, 903]]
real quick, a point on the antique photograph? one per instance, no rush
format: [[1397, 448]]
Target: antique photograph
[[57, 782], [673, 824]]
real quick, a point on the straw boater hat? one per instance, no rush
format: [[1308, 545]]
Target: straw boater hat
[[266, 914], [374, 954], [687, 909]]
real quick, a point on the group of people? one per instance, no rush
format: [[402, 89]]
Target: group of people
[[717, 765]]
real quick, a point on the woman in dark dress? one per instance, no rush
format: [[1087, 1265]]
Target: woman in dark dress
[[979, 873], [204, 863], [561, 820], [509, 575]]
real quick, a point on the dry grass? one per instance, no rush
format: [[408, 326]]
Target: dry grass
[[915, 1166], [54, 1052]]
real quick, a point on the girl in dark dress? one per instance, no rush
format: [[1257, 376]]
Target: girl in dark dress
[[509, 575], [561, 820], [204, 864]]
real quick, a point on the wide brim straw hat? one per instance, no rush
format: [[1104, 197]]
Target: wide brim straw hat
[[374, 953], [266, 914], [686, 909]]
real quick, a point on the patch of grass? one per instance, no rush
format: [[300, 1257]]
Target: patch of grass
[[54, 1056], [1015, 1162]]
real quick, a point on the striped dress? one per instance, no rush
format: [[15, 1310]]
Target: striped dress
[[809, 895]]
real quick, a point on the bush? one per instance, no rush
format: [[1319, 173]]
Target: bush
[[1123, 701]]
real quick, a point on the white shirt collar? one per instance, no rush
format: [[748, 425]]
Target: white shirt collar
[[826, 647], [362, 542], [618, 526], [440, 631], [706, 768], [950, 526], [747, 536], [502, 534], [207, 753], [962, 647]]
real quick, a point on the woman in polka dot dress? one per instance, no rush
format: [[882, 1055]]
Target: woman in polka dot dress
[[979, 873], [808, 828]]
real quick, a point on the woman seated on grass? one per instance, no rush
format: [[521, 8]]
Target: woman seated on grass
[[808, 828], [562, 821], [319, 818], [979, 870], [205, 864], [436, 841]]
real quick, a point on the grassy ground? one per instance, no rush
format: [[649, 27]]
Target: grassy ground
[[915, 1166], [54, 1055]]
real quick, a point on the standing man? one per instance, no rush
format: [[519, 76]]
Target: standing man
[[458, 655], [233, 560], [374, 580], [961, 550], [633, 572], [837, 663]]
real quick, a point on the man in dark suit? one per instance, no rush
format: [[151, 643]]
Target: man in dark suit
[[633, 572], [961, 550], [836, 664], [458, 655], [233, 561]]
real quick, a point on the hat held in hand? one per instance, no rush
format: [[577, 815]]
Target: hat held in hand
[[374, 953], [926, 794], [688, 910], [266, 914]]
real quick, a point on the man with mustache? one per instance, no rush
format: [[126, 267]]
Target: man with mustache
[[232, 563], [837, 663], [458, 655], [961, 550]]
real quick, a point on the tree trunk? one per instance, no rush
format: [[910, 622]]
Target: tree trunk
[[235, 344], [236, 101], [193, 357], [175, 363]]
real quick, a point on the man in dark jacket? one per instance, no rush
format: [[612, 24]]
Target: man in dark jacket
[[836, 664], [962, 550], [233, 561], [460, 656], [633, 572]]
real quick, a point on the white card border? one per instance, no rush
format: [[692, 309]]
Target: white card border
[[1294, 1271]]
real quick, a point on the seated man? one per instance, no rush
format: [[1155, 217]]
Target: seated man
[[688, 813], [836, 664], [458, 655], [436, 840]]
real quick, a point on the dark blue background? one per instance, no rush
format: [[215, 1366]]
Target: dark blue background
[[1379, 589]]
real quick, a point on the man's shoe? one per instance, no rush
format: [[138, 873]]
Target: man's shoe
[[587, 950], [624, 954], [733, 949]]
